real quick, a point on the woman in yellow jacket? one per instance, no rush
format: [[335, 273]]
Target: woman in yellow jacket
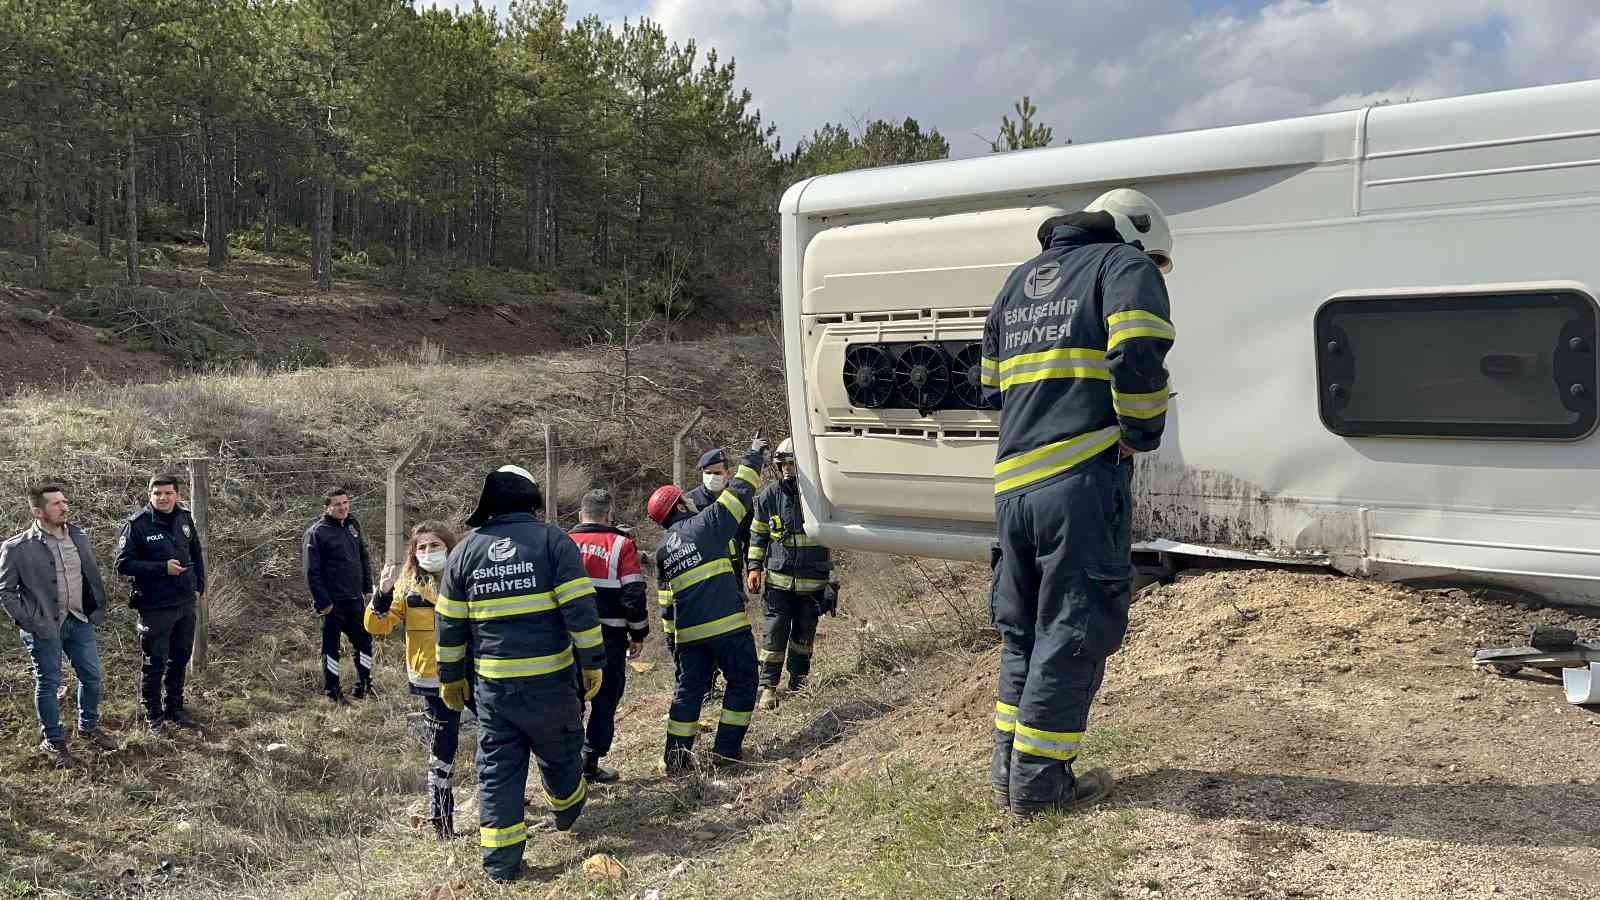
[[408, 599]]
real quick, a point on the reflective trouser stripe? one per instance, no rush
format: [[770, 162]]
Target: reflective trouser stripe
[[1061, 745], [682, 729], [503, 837], [771, 656], [799, 648], [733, 717], [1005, 717], [560, 803], [1052, 459]]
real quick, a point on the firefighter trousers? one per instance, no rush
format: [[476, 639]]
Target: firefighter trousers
[[602, 725], [541, 717], [788, 632], [1062, 579], [345, 622], [733, 654], [166, 641]]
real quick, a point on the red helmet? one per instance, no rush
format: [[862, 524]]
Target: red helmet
[[662, 502]]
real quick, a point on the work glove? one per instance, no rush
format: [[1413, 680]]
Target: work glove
[[591, 682], [380, 603], [454, 694]]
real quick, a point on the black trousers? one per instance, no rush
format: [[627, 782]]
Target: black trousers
[[1062, 582], [445, 725], [166, 641], [788, 633], [602, 725], [734, 654], [346, 622]]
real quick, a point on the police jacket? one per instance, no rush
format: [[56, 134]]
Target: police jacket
[[1074, 355], [793, 559], [612, 561], [337, 568], [699, 594], [740, 542], [515, 599], [148, 540]]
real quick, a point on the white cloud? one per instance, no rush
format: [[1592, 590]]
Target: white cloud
[[1100, 71]]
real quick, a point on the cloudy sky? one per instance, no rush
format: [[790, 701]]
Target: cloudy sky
[[1108, 70]]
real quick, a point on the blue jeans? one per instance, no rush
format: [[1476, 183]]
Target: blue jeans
[[77, 642]]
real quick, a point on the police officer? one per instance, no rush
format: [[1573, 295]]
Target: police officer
[[799, 586], [1073, 356], [516, 601], [159, 549], [702, 611], [338, 574], [714, 475]]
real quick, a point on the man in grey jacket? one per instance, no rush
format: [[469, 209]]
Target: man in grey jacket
[[51, 586]]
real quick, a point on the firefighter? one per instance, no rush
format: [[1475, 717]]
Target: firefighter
[[408, 598], [799, 585], [338, 574], [612, 561], [516, 601], [703, 613], [1074, 358]]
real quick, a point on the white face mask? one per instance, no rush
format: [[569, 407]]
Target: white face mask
[[714, 483], [432, 562]]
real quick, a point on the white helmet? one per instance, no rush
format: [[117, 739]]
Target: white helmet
[[1139, 221], [785, 451]]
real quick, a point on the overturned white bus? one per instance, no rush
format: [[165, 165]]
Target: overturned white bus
[[1387, 340]]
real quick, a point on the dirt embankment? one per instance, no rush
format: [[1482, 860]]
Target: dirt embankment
[[1314, 736]]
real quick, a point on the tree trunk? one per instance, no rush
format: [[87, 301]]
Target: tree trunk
[[324, 241], [270, 214], [213, 174], [102, 211], [405, 240], [41, 218], [130, 196]]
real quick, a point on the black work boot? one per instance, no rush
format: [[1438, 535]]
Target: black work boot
[[177, 716], [597, 775], [1082, 792], [363, 690]]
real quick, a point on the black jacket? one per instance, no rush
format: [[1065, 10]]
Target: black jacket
[[337, 568], [148, 540], [702, 499], [696, 586], [1074, 355]]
